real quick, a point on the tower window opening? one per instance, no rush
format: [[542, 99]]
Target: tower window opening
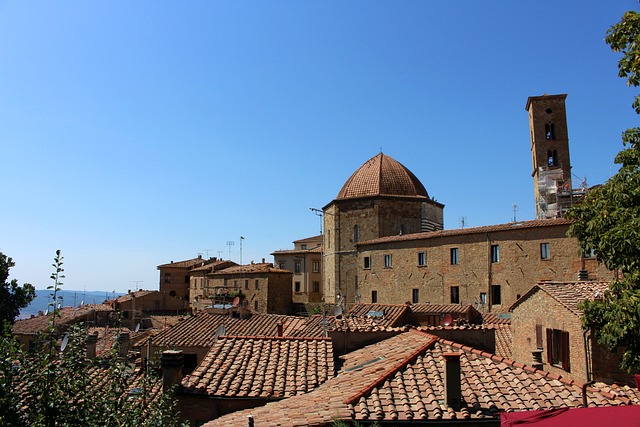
[[550, 131]]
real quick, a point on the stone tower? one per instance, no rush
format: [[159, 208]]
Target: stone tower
[[382, 198], [551, 165]]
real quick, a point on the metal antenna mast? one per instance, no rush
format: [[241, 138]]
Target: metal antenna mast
[[230, 243], [136, 282]]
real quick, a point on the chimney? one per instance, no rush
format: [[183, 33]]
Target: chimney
[[92, 343], [263, 260], [537, 359], [452, 385], [280, 329], [171, 362], [123, 340]]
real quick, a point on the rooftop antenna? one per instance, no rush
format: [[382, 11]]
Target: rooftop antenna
[[230, 243], [137, 282], [463, 221], [515, 209], [320, 214], [207, 251], [219, 254]]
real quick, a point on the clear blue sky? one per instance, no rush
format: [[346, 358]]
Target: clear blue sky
[[136, 133]]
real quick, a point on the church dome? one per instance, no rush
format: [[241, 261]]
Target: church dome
[[382, 176]]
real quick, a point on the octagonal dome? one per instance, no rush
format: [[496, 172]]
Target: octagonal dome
[[382, 176]]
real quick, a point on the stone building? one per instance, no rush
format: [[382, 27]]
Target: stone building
[[546, 321], [174, 276], [200, 281], [266, 289], [489, 267], [305, 262], [381, 198]]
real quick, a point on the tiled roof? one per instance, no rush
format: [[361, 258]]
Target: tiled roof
[[402, 378], [138, 294], [68, 315], [251, 268], [200, 330], [382, 176], [504, 340], [440, 308], [467, 231], [312, 239], [315, 250], [213, 265], [108, 336], [393, 314], [189, 263], [569, 294], [262, 367]]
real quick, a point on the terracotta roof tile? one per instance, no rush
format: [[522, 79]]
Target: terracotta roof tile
[[569, 294], [251, 268], [189, 263], [382, 176], [402, 378], [262, 366], [68, 315], [200, 330]]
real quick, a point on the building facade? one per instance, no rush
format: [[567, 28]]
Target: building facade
[[490, 267], [175, 279], [305, 263]]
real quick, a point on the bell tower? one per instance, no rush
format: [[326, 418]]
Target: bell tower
[[551, 165]]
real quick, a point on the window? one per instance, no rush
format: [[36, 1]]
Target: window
[[303, 247], [256, 283], [591, 253], [235, 283], [558, 348], [550, 131], [167, 278], [367, 263], [356, 233], [422, 259], [495, 253], [297, 267], [186, 279], [173, 293], [316, 266], [255, 305], [225, 282], [496, 297], [539, 336], [387, 261], [316, 286], [455, 295], [454, 256], [246, 283], [374, 297], [544, 251], [483, 297], [297, 286], [282, 265], [415, 296]]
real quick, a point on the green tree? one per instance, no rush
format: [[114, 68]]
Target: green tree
[[13, 297], [608, 221], [51, 386]]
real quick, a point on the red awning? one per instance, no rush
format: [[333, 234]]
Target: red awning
[[576, 417]]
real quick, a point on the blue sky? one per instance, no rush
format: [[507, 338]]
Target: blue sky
[[136, 133]]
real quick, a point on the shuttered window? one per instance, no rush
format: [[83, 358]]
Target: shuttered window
[[558, 348]]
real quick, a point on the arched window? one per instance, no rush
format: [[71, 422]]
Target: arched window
[[167, 278]]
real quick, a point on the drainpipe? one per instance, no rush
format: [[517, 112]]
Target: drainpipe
[[587, 352], [584, 393]]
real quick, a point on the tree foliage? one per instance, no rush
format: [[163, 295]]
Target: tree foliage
[[13, 297], [47, 387], [608, 221]]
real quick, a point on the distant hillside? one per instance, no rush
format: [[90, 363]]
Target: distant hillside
[[69, 299]]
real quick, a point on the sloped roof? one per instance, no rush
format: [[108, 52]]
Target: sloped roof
[[68, 315], [200, 330], [568, 294], [382, 176], [138, 294], [189, 263], [512, 226], [262, 367], [402, 378], [441, 308], [251, 269]]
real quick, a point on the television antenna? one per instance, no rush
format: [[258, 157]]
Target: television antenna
[[230, 243], [137, 282], [207, 251], [463, 221], [515, 209]]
